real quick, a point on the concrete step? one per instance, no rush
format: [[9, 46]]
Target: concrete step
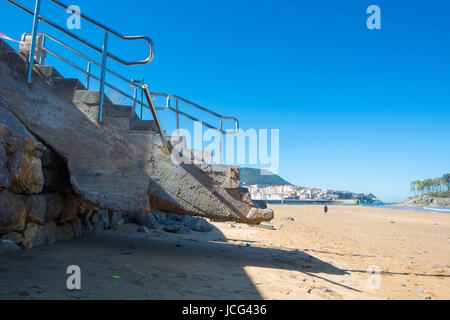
[[87, 102], [199, 156], [142, 125], [117, 116], [47, 72], [89, 97], [120, 123], [68, 84], [114, 110]]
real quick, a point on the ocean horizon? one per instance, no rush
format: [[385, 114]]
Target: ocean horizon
[[384, 205]]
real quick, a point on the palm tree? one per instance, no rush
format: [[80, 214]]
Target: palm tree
[[413, 187], [421, 186], [446, 179], [428, 184], [437, 185]]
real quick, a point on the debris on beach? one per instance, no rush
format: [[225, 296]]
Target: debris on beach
[[266, 225], [168, 222]]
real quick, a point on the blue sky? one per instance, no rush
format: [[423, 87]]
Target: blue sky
[[360, 110]]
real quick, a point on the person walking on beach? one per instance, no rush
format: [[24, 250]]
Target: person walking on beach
[[325, 209]]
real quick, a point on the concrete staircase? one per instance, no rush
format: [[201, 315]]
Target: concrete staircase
[[120, 164]]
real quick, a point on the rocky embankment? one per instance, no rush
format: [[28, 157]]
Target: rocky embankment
[[38, 205], [424, 201]]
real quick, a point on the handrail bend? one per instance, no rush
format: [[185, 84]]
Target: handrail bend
[[89, 44]]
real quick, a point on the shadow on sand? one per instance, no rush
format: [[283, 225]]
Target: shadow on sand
[[156, 266]]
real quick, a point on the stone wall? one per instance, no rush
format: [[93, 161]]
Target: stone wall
[[37, 203]]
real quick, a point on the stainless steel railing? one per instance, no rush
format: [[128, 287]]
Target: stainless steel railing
[[104, 50], [87, 71], [102, 79]]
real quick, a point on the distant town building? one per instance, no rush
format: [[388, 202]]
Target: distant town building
[[289, 192]]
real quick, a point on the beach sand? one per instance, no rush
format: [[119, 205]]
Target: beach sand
[[315, 256]]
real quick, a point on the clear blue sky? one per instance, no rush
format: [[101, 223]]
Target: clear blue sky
[[360, 110]]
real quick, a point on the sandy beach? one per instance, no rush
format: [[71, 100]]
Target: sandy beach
[[314, 256]]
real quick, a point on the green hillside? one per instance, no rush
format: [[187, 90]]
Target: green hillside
[[251, 176]]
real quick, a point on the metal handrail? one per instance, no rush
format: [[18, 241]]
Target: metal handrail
[[91, 45], [236, 122], [155, 117], [87, 72], [104, 50]]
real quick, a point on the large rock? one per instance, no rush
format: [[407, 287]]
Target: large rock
[[8, 246], [34, 236], [73, 206], [23, 152], [105, 218], [5, 176], [15, 237], [197, 224], [12, 212], [26, 173], [55, 205], [144, 219], [50, 231], [115, 219], [258, 214], [64, 232], [77, 228], [36, 206]]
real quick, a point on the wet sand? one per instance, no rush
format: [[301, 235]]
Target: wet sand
[[315, 256]]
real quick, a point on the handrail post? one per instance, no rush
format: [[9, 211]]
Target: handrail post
[[37, 9], [88, 77], [102, 78], [221, 142], [134, 97], [142, 101], [155, 117], [178, 117], [43, 54]]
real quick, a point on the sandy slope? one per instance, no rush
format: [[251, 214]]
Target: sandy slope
[[316, 256]]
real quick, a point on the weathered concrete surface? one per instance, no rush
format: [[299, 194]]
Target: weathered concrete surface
[[184, 188], [111, 167]]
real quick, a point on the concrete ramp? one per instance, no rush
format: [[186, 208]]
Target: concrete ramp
[[119, 164]]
